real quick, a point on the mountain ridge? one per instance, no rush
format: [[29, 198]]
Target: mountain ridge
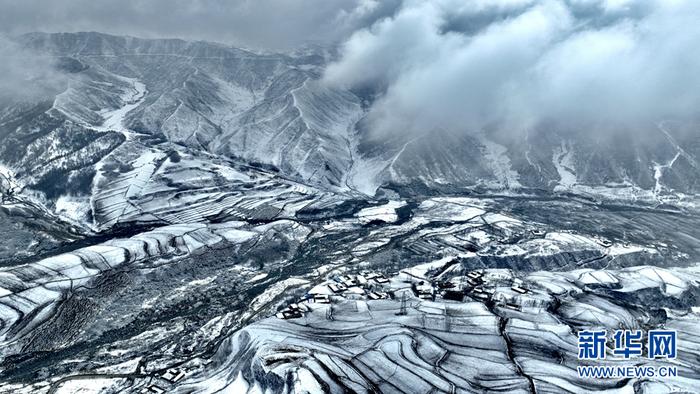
[[274, 110]]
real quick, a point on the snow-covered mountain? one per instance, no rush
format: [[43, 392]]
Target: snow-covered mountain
[[160, 97], [164, 203]]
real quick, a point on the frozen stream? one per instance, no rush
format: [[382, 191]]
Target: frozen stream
[[114, 119]]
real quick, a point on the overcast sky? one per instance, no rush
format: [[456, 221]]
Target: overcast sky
[[453, 64], [269, 24]]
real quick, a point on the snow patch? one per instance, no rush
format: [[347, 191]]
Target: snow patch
[[563, 159], [85, 386], [8, 182], [74, 209], [385, 213], [659, 172], [114, 118], [499, 163], [257, 278]]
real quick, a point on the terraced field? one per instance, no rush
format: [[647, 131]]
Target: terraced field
[[191, 217], [201, 299]]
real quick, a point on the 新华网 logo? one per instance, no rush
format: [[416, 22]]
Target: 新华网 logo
[[626, 344]]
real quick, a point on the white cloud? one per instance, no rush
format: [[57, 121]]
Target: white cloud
[[24, 75], [579, 64]]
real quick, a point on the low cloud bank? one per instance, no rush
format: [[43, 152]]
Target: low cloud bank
[[26, 75], [512, 65]]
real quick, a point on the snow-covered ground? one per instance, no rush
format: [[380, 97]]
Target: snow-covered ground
[[384, 213], [114, 117], [419, 345], [500, 165], [563, 159], [74, 209], [8, 182], [659, 172], [28, 298]]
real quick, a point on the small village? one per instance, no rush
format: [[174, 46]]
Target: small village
[[169, 377], [496, 288], [492, 287]]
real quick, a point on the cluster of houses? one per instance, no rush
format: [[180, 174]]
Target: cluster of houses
[[365, 285], [503, 298], [292, 311], [362, 280], [424, 290], [510, 299], [478, 290], [476, 287], [499, 289], [172, 376]]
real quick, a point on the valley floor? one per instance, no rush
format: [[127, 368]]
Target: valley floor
[[445, 294]]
